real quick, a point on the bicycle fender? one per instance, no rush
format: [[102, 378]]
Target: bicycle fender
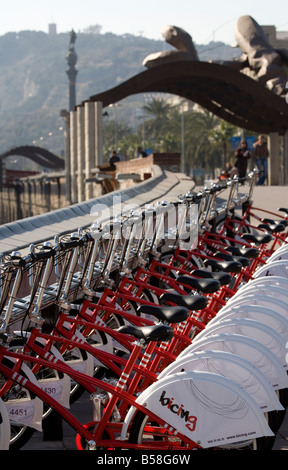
[[253, 329], [248, 348], [5, 430], [27, 412], [209, 409], [260, 313], [235, 368]]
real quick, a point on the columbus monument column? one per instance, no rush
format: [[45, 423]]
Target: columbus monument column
[[71, 58]]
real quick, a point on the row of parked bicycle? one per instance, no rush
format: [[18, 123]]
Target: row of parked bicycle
[[177, 330]]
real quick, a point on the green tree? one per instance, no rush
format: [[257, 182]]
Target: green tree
[[199, 125], [221, 140], [202, 137], [115, 133], [207, 140], [157, 125]]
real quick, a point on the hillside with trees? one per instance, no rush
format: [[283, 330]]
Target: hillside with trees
[[34, 89]]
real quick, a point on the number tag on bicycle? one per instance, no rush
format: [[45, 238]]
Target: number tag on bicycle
[[80, 364], [27, 412], [56, 388]]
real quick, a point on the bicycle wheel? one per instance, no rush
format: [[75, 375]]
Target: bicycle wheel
[[82, 443], [82, 361], [48, 378], [146, 296], [283, 397], [20, 434], [194, 261], [131, 306], [241, 229], [146, 433], [4, 427]]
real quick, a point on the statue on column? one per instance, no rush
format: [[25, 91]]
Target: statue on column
[[71, 54], [73, 37], [71, 58]]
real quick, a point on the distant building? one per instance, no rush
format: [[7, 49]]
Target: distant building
[[52, 29], [276, 38]]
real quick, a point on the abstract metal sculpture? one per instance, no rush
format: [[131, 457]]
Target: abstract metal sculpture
[[247, 92]]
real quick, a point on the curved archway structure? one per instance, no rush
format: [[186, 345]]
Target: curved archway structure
[[224, 91], [39, 155]]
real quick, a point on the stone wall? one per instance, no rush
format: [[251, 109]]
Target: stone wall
[[168, 161]]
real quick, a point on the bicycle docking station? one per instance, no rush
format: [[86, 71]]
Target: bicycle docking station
[[89, 266]]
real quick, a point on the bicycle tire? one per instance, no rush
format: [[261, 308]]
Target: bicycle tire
[[93, 339], [196, 263], [20, 434], [144, 432], [220, 226], [141, 431], [5, 429], [147, 296], [283, 398], [81, 442], [46, 373]]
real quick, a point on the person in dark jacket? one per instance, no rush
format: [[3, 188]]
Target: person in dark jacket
[[242, 155], [261, 154], [141, 152], [114, 158]]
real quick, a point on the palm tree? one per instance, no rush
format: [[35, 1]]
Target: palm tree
[[170, 128], [207, 140], [113, 135], [199, 125], [222, 135], [156, 127]]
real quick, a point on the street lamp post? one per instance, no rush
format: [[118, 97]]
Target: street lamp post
[[182, 140]]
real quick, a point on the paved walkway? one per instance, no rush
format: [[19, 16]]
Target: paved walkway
[[270, 197]]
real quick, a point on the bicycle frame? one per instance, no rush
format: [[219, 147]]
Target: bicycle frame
[[137, 374], [92, 384]]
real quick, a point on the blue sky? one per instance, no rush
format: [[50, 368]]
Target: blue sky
[[204, 20]]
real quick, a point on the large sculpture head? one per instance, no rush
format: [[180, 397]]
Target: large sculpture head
[[265, 63], [184, 48]]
